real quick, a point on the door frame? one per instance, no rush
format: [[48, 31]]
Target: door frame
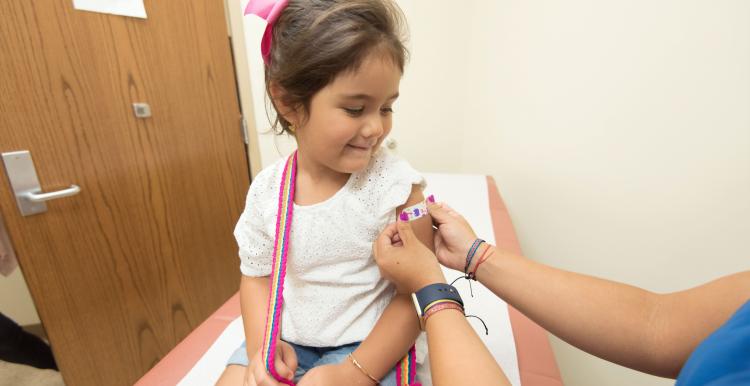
[[235, 15]]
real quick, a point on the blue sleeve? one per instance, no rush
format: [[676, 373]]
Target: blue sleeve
[[724, 357]]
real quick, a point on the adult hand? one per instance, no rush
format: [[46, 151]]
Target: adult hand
[[285, 362], [404, 260], [454, 236]]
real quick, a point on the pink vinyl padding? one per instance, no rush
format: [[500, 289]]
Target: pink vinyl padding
[[536, 361]]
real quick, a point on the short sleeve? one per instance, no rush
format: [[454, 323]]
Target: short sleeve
[[397, 178], [252, 234]]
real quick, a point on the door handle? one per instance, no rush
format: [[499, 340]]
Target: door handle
[[42, 197], [23, 180]]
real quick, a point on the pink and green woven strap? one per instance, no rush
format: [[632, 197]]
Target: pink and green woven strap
[[406, 369]]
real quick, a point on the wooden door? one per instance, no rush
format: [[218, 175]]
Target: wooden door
[[121, 272]]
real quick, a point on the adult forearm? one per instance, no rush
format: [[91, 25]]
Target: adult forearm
[[608, 319], [457, 355]]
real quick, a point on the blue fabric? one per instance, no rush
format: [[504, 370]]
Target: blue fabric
[[742, 378], [239, 356], [309, 357], [723, 358]]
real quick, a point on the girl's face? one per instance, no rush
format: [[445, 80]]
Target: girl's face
[[349, 118]]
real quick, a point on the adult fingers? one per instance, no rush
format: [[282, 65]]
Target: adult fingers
[[440, 213], [390, 231], [406, 233], [396, 240], [383, 241]]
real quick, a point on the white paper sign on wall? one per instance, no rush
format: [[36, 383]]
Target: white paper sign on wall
[[133, 8]]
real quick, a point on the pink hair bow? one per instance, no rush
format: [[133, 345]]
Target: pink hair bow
[[268, 10]]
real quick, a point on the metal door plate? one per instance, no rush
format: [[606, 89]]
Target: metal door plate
[[19, 167]]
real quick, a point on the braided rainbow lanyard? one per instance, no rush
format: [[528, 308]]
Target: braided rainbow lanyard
[[278, 269], [406, 369]]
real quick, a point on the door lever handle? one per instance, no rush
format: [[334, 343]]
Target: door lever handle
[[25, 184], [42, 197]]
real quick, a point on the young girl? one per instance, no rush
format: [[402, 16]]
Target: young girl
[[333, 69]]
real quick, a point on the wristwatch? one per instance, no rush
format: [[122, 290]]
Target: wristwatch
[[431, 294]]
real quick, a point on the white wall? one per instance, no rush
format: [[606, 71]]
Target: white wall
[[15, 299], [618, 133]]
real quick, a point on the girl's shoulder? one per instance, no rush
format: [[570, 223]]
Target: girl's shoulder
[[270, 175], [384, 170], [383, 167], [385, 184], [264, 188]]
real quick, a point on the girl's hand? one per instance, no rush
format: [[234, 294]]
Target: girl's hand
[[404, 260], [454, 236], [285, 362], [256, 375]]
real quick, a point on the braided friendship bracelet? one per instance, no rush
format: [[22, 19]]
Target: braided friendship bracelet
[[485, 255], [472, 251], [362, 369], [440, 307], [438, 302]]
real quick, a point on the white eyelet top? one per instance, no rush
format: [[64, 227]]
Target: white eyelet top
[[333, 291]]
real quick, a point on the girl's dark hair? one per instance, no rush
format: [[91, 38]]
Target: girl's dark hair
[[316, 40]]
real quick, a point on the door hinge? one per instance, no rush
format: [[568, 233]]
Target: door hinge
[[243, 128]]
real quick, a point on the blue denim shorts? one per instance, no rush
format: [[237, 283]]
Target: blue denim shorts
[[309, 357]]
